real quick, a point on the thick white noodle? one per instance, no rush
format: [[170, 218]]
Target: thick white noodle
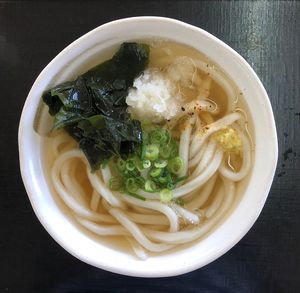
[[204, 194], [148, 219], [216, 203], [210, 106], [198, 125], [141, 218], [95, 201], [200, 138], [201, 160], [148, 195], [190, 235], [156, 227], [137, 248], [200, 105], [137, 233], [157, 206], [184, 146], [103, 230], [106, 174], [194, 183], [199, 154], [186, 214], [103, 190], [68, 198], [246, 165], [71, 185], [144, 211], [202, 178]]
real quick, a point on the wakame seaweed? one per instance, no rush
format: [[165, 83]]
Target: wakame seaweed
[[93, 109]]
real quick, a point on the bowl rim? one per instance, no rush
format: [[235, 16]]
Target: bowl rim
[[30, 190]]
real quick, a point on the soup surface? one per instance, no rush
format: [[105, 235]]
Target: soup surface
[[174, 165]]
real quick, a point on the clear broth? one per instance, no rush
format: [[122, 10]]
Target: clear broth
[[159, 57]]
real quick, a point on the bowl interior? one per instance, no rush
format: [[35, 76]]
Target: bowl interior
[[91, 49]]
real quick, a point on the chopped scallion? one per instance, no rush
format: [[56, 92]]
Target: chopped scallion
[[152, 152], [146, 164], [170, 185], [155, 172], [166, 195], [154, 167], [115, 183], [175, 165], [121, 164], [150, 186], [131, 185], [130, 164], [165, 151], [161, 163], [159, 136], [140, 181], [163, 179]]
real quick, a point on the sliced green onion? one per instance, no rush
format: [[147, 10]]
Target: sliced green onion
[[175, 165], [151, 152], [142, 164], [154, 167], [146, 164], [170, 185], [143, 150], [139, 165], [165, 151], [145, 136], [165, 195], [132, 194], [121, 164], [144, 144], [130, 164], [173, 148], [131, 174], [155, 172], [161, 163], [140, 181], [159, 136], [131, 185], [150, 186], [115, 183], [169, 150], [163, 179]]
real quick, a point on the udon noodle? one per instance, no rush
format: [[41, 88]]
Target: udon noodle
[[208, 192]]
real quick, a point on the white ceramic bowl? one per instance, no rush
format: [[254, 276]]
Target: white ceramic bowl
[[79, 56]]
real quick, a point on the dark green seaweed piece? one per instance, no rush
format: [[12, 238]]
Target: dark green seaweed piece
[[119, 135], [93, 109]]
